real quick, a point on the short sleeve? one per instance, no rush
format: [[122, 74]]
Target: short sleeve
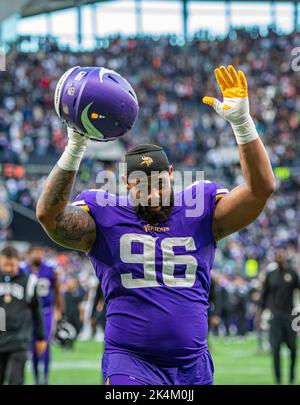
[[219, 192], [202, 196], [87, 201], [214, 192]]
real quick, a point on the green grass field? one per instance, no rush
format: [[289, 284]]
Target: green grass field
[[236, 362]]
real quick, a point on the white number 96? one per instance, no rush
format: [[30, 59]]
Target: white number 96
[[147, 259]]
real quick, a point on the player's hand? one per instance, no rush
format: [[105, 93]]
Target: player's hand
[[57, 315], [40, 347], [77, 137], [74, 151], [235, 105], [214, 321]]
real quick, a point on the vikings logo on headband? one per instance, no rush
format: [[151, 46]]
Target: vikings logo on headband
[[146, 160], [146, 157]]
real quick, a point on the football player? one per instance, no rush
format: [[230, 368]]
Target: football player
[[153, 260], [49, 292]]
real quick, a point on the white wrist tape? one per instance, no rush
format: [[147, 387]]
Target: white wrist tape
[[74, 151], [245, 132]]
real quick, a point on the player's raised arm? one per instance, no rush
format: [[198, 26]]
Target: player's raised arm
[[67, 225], [244, 203]]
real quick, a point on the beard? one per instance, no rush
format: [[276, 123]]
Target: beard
[[36, 262], [153, 217]]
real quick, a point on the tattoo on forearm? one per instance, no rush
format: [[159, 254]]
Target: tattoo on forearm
[[67, 225], [58, 187]]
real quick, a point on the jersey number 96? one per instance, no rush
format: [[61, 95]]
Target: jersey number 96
[[147, 259]]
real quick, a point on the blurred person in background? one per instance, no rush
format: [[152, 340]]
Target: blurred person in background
[[23, 312], [49, 292], [213, 318], [98, 316], [262, 316], [241, 299], [223, 302], [73, 304], [278, 292]]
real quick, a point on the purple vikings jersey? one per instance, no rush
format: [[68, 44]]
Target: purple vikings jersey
[[45, 286], [155, 279]]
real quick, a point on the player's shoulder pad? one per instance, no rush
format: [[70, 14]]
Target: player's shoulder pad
[[215, 190], [51, 263], [24, 267], [214, 187], [203, 195], [92, 199], [85, 198], [206, 188]]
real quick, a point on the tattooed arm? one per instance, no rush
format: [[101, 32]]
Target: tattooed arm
[[67, 225]]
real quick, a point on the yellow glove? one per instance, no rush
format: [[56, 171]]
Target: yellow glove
[[235, 105]]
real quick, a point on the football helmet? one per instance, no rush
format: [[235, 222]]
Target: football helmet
[[97, 102]]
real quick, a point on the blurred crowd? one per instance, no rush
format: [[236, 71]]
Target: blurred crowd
[[170, 81]]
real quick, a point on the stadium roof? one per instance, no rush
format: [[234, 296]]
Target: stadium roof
[[28, 8], [34, 7], [8, 8]]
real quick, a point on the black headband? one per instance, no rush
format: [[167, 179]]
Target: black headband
[[146, 158]]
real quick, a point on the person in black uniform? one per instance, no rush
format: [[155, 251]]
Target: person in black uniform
[[220, 306], [278, 291], [98, 315], [74, 308], [20, 304]]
